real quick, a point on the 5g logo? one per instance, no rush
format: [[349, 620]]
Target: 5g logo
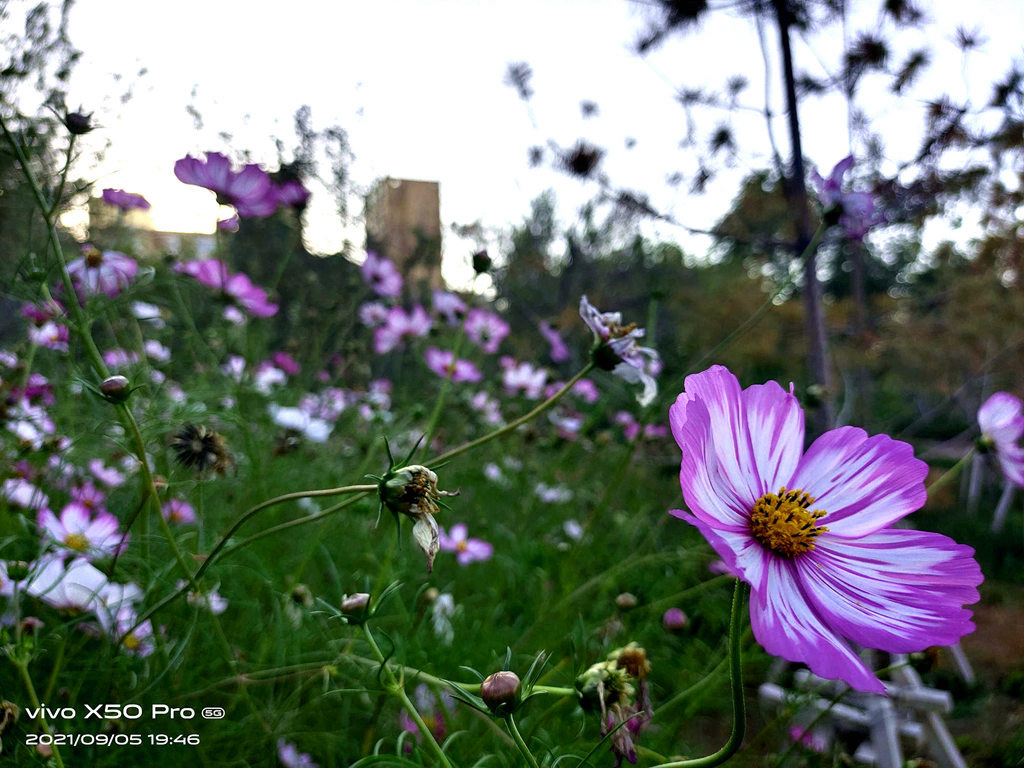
[[213, 713]]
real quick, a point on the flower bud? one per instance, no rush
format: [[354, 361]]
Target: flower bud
[[674, 620], [9, 713], [78, 123], [481, 262], [626, 600], [17, 570], [354, 607], [115, 388], [500, 692]]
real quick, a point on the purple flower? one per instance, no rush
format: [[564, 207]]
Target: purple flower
[[811, 532], [467, 550], [486, 329], [381, 275], [616, 350], [126, 201], [559, 352], [443, 363], [855, 209], [250, 190], [430, 709], [523, 377], [108, 476], [290, 756], [373, 314], [230, 224], [120, 358], [286, 363], [293, 195], [449, 306], [674, 620], [399, 324], [139, 642], [179, 512], [106, 272], [1001, 419], [50, 335], [630, 426], [586, 390], [213, 273], [79, 531]]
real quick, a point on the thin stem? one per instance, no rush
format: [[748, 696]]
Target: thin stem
[[428, 433], [739, 718], [513, 424], [396, 689], [950, 473], [34, 699], [517, 737]]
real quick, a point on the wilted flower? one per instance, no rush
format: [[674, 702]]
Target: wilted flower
[[381, 275], [811, 532], [486, 329], [1001, 419], [412, 491], [209, 599], [126, 201], [201, 449], [250, 190], [444, 363], [617, 688], [106, 272], [466, 550], [616, 349]]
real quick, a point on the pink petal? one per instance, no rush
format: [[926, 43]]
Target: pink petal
[[459, 532], [895, 590], [48, 522], [786, 624], [75, 518], [776, 424], [1001, 418], [863, 483], [1011, 461], [742, 553]]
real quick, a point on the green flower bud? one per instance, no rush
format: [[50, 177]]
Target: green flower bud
[[17, 570], [354, 607], [116, 389]]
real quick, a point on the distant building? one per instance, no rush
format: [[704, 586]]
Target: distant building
[[403, 223]]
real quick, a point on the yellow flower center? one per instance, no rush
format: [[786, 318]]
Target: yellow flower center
[[131, 642], [784, 523], [93, 257], [76, 541], [461, 546]]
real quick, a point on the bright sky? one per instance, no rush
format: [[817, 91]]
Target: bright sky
[[419, 87]]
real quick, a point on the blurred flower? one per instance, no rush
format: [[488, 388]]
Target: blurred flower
[[21, 493], [441, 611], [267, 376], [106, 272], [493, 473], [82, 532], [139, 640], [615, 349], [759, 499], [290, 756], [467, 550], [210, 600], [373, 314], [286, 363], [487, 406], [126, 201], [250, 190], [230, 224], [381, 275], [444, 364], [398, 325], [523, 377], [78, 123], [431, 710], [813, 740], [1001, 419], [559, 352], [674, 620], [120, 358], [567, 421], [88, 495], [486, 329], [553, 494], [74, 588], [312, 428], [449, 306], [573, 529], [292, 194], [50, 335], [109, 476], [213, 273], [178, 512], [586, 390], [853, 211]]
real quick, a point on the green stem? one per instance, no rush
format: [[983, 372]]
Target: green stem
[[513, 424], [34, 699], [950, 473], [428, 433], [517, 737], [739, 719], [398, 691]]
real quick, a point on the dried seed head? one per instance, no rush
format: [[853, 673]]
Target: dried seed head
[[201, 449]]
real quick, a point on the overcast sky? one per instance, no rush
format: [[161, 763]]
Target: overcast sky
[[419, 87]]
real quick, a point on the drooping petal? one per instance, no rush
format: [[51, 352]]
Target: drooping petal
[[1011, 461], [786, 624], [863, 483], [426, 535], [895, 590]]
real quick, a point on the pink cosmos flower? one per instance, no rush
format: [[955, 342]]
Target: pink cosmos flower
[[74, 588], [1001, 419], [380, 274], [250, 190], [486, 329], [616, 350], [856, 209], [80, 531], [139, 642], [50, 335], [106, 272], [109, 476], [443, 363], [811, 532], [487, 406], [449, 306], [586, 390], [120, 358], [523, 377], [290, 756], [286, 363], [398, 325], [178, 512], [373, 314], [292, 194], [559, 352], [467, 550], [126, 201], [432, 711], [630, 426], [213, 273], [88, 495]]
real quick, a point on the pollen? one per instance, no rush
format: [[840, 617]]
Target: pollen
[[77, 542], [784, 522]]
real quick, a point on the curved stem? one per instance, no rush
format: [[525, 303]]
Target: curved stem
[[950, 473], [397, 690], [517, 737], [513, 424], [739, 721]]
